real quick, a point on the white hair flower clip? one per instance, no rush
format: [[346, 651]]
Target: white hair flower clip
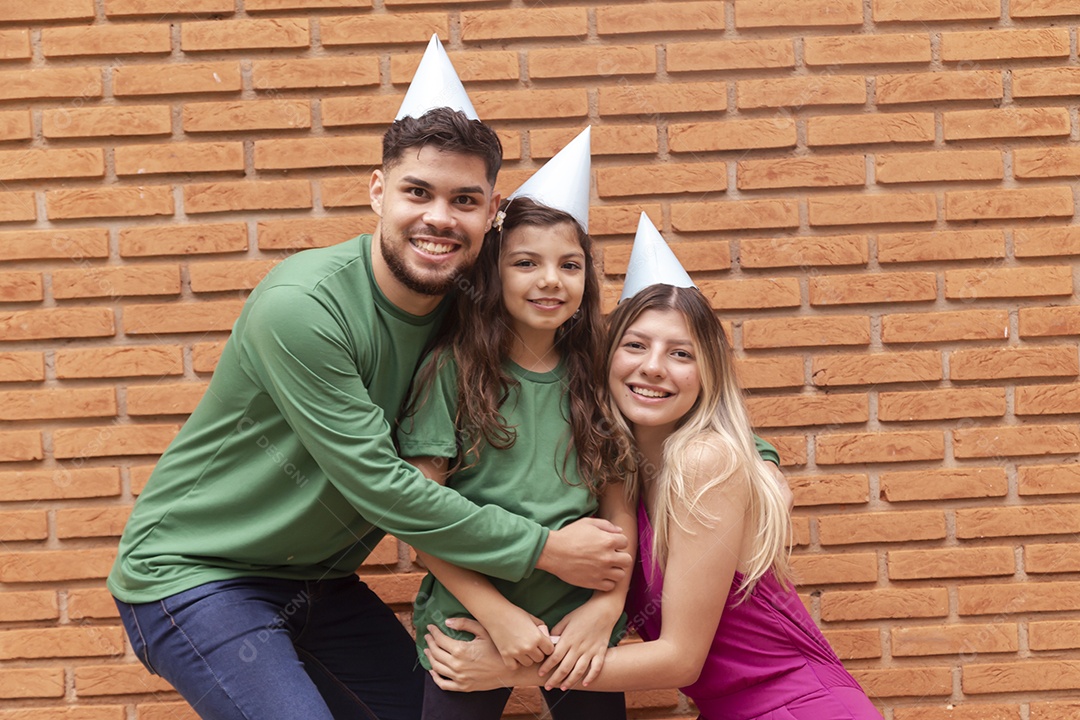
[[498, 222]]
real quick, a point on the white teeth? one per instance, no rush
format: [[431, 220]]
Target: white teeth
[[547, 303], [646, 392], [433, 248]]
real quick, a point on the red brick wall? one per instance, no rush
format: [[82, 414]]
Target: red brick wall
[[879, 197]]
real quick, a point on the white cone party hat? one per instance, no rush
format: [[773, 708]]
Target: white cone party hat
[[652, 262], [564, 180], [434, 85]]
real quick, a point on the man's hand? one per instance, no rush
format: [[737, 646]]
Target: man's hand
[[589, 553]]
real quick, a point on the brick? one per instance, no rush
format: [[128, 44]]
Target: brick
[[831, 569], [107, 441], [967, 711], [91, 603], [160, 399], [119, 361], [920, 682], [17, 206], [942, 165], [1046, 82], [309, 233], [762, 13], [977, 283], [470, 66], [870, 129], [849, 448], [1029, 675], [661, 179], [940, 245], [621, 219], [751, 294], [887, 527], [591, 61], [735, 215], [1042, 322], [1013, 362], [867, 49], [345, 192], [20, 445], [48, 10], [51, 323], [169, 158], [803, 252], [131, 201], [965, 640], [116, 282], [770, 372], [543, 22], [91, 521], [55, 565], [1040, 8], [800, 410], [43, 682], [800, 531], [15, 44], [227, 276], [76, 244], [21, 286], [1053, 635], [1047, 399], [695, 256], [201, 317], [855, 644], [1018, 598], [605, 140], [15, 125], [115, 40], [841, 489], [775, 132], [140, 475], [1006, 123], [107, 121], [276, 114], [818, 171], [1046, 162], [941, 404], [800, 92], [335, 72], [286, 154], [1052, 558], [806, 332], [57, 404], [730, 55], [873, 288], [379, 29], [624, 99], [166, 711], [840, 605], [87, 641], [944, 484], [1048, 479], [1022, 520], [59, 483], [113, 679], [22, 525], [70, 82], [945, 326], [997, 442], [935, 10], [872, 209], [217, 35], [50, 164], [22, 366], [176, 79], [1004, 44], [1042, 242], [376, 110], [950, 562], [670, 17], [167, 7], [272, 5], [28, 606], [938, 87], [394, 587], [530, 104], [247, 195]]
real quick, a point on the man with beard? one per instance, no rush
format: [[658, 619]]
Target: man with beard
[[235, 578]]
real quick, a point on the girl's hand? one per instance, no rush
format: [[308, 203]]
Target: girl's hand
[[521, 638], [583, 641], [466, 665]]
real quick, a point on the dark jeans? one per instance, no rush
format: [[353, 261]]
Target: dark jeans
[[442, 704], [267, 649]]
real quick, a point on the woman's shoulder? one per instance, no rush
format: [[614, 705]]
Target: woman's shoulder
[[710, 454]]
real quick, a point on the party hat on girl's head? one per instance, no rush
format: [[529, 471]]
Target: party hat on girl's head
[[564, 180], [435, 85], [652, 262]]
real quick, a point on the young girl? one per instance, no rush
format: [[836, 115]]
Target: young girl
[[711, 595], [506, 409]]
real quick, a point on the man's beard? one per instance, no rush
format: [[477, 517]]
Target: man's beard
[[429, 284]]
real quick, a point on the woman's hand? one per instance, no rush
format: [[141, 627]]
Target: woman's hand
[[520, 638], [469, 665], [583, 637]]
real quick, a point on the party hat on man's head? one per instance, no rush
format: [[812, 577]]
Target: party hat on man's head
[[652, 262], [564, 180], [435, 85]]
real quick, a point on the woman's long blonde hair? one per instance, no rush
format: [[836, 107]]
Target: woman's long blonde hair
[[718, 419]]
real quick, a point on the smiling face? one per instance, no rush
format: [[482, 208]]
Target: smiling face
[[653, 376], [542, 271], [434, 207]]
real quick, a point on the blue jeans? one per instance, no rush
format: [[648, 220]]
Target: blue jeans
[[268, 649]]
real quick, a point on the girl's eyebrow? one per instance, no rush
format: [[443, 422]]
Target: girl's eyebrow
[[675, 341]]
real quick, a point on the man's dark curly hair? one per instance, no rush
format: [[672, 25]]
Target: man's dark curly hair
[[448, 130]]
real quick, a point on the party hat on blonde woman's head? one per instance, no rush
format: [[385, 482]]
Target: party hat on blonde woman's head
[[435, 85], [564, 180], [652, 262]]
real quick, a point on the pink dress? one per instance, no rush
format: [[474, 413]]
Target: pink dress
[[768, 660]]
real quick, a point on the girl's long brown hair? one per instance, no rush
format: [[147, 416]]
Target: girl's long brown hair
[[478, 335]]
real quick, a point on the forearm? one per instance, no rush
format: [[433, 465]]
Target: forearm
[[472, 589], [632, 666]]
